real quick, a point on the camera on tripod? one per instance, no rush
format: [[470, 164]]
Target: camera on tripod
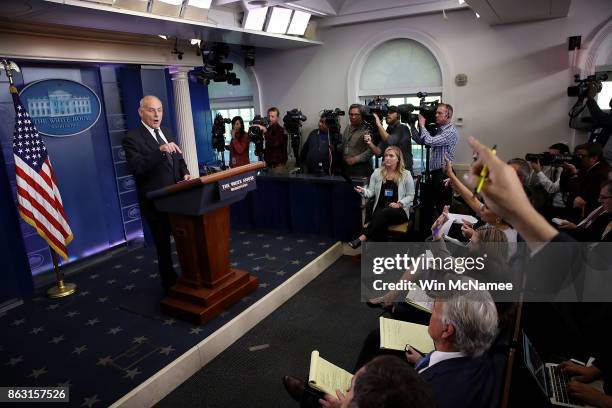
[[333, 125], [292, 122], [426, 109], [256, 134], [582, 88], [218, 132], [548, 159]]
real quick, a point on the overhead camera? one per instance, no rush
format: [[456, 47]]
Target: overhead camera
[[214, 68], [582, 88], [256, 134], [426, 109]]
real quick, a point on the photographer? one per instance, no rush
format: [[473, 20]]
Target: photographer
[[275, 152], [315, 154], [355, 152], [601, 135], [443, 143], [584, 182], [396, 134], [239, 145], [549, 177]]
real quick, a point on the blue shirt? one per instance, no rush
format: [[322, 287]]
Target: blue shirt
[[444, 142]]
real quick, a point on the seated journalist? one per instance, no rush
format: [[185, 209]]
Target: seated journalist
[[392, 188], [460, 372]]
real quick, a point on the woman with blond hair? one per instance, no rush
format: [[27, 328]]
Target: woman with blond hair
[[392, 188]]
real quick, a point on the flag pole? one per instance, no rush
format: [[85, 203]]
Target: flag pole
[[62, 289]]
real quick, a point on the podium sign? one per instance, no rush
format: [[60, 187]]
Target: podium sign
[[199, 214]]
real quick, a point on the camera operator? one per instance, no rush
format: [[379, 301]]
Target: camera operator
[[396, 134], [601, 135], [239, 145], [584, 183], [315, 154], [549, 178], [443, 143], [275, 152], [355, 152]]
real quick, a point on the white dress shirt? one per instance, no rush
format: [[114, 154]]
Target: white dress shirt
[[152, 132], [439, 356]]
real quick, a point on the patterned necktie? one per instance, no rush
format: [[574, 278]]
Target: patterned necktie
[[423, 363]]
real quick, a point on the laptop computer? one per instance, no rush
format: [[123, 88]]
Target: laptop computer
[[551, 380]]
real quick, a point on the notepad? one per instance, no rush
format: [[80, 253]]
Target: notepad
[[419, 299], [327, 377], [395, 335]]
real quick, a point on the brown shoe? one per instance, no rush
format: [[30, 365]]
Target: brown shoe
[[294, 386]]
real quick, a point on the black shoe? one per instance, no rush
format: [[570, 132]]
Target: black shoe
[[294, 386], [355, 243]]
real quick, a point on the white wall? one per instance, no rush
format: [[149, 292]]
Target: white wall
[[517, 74]]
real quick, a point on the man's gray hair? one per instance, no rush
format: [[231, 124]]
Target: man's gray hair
[[142, 101], [524, 168], [474, 316]]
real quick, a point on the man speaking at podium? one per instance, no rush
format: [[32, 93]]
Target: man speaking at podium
[[156, 161]]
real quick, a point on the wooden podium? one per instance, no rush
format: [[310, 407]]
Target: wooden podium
[[199, 213]]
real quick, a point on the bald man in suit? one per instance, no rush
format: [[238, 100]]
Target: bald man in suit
[[156, 162]]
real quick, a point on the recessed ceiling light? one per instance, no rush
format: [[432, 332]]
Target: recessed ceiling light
[[173, 2], [279, 20]]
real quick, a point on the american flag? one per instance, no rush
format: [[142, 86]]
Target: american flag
[[39, 200]]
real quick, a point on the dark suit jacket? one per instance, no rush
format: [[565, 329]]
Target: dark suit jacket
[[463, 382], [150, 167]]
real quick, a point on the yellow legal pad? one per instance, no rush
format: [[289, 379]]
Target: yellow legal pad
[[327, 377], [395, 334]]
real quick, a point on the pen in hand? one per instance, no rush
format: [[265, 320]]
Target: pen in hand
[[484, 173]]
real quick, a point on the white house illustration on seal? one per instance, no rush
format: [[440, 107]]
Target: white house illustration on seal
[[58, 103]]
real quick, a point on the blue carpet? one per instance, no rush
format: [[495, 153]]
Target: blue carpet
[[111, 336]]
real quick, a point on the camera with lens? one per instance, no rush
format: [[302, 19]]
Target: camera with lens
[[548, 159], [292, 122], [256, 134], [582, 88], [426, 109], [218, 132], [333, 125], [378, 106]]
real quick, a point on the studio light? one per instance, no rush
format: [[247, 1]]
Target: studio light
[[299, 22], [170, 8], [255, 18], [279, 20], [205, 4]]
